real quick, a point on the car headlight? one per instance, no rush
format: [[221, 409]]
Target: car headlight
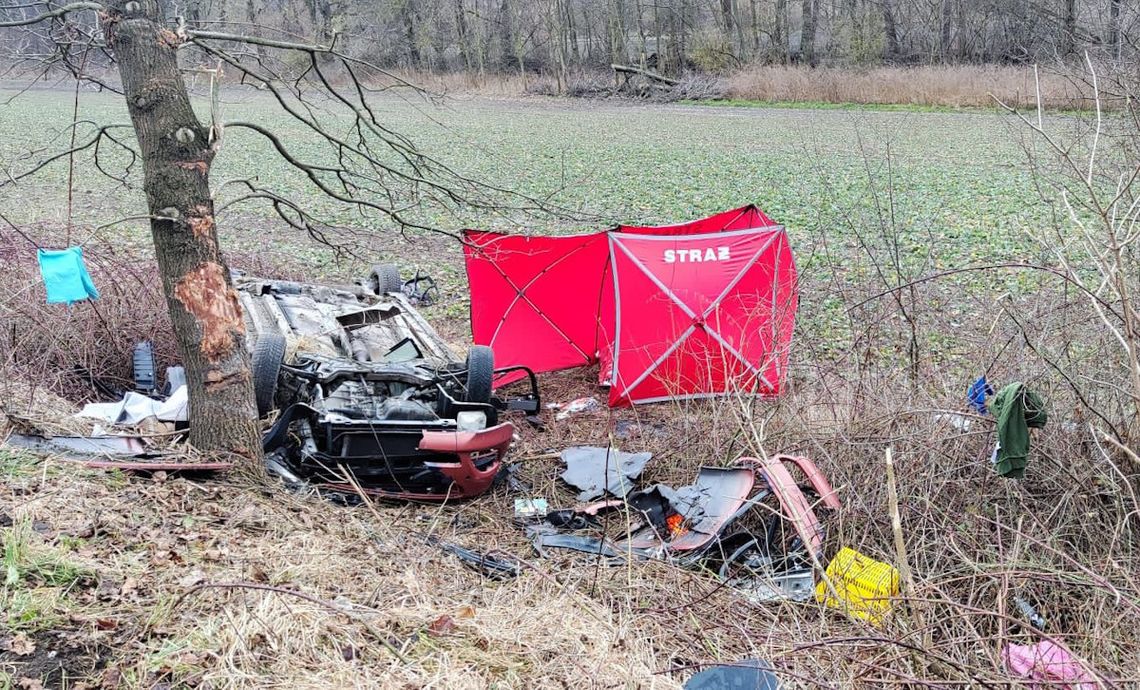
[[471, 421]]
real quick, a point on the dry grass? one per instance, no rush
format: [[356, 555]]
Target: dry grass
[[949, 86], [459, 83], [1063, 539], [952, 86]]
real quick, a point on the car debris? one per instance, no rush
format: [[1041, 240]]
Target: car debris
[[365, 387], [722, 522], [576, 406], [134, 408], [129, 453], [746, 674], [126, 446], [490, 567], [1030, 612], [864, 586], [596, 471], [527, 509], [421, 290]]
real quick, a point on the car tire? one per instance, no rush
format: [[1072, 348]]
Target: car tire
[[385, 278], [480, 371], [268, 354]]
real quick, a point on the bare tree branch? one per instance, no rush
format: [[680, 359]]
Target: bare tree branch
[[51, 14]]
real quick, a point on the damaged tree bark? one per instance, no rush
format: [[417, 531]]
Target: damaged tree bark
[[176, 154]]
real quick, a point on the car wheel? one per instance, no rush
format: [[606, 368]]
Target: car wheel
[[268, 354], [480, 369], [385, 278]]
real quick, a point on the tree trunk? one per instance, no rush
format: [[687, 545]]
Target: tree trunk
[[781, 36], [729, 20], [572, 33], [1114, 28], [754, 26], [890, 28], [408, 15], [944, 32], [464, 37], [1069, 31], [506, 35], [807, 37], [176, 157]]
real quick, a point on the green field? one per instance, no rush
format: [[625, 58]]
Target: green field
[[960, 174], [957, 182]]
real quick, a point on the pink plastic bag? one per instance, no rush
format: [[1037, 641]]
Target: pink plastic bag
[[1048, 661]]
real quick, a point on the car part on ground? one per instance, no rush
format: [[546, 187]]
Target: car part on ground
[[369, 395], [596, 471], [129, 453], [144, 368], [421, 290], [385, 278], [135, 408], [721, 522], [746, 674], [489, 566]]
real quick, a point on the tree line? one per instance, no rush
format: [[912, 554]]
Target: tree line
[[674, 36], [670, 36]]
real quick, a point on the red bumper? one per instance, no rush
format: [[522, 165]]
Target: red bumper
[[469, 448]]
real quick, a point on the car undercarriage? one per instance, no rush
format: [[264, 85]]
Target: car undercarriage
[[368, 396]]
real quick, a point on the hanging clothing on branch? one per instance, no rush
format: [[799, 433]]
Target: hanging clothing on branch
[[1017, 409], [65, 276]]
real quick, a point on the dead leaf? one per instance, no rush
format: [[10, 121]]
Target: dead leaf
[[444, 625], [30, 684], [21, 645], [192, 579], [111, 678], [129, 585], [467, 611]]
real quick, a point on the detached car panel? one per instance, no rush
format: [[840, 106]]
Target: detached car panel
[[370, 394]]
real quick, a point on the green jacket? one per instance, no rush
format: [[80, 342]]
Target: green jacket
[[1017, 408]]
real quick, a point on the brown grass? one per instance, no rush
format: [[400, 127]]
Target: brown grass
[[953, 86], [1062, 538], [950, 86]]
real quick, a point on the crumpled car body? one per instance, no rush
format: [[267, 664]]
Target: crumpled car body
[[706, 525], [369, 396]]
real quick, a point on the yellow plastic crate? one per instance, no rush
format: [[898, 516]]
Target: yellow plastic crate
[[865, 586]]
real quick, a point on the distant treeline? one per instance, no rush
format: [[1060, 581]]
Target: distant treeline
[[674, 36]]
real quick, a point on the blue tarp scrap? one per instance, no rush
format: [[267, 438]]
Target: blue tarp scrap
[[977, 393], [65, 276]]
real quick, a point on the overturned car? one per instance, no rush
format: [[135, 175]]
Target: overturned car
[[369, 395]]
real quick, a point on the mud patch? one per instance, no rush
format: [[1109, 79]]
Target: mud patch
[[49, 659]]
